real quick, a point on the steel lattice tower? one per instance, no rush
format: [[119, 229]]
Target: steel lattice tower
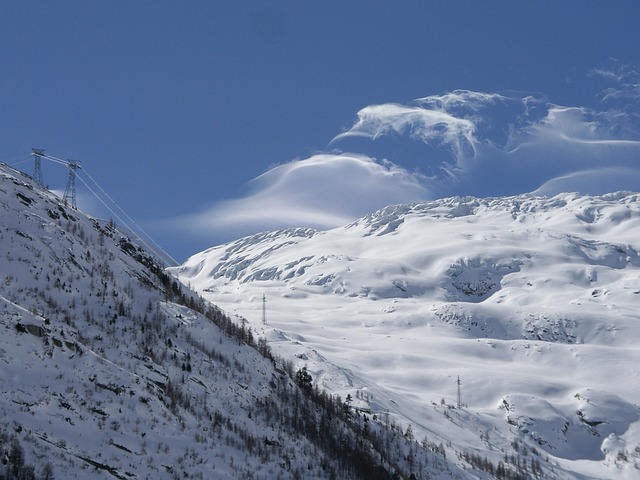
[[264, 309], [69, 197], [37, 169], [459, 393]]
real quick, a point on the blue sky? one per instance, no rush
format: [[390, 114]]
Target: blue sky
[[207, 120]]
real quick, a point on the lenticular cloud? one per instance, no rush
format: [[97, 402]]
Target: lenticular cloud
[[322, 191]]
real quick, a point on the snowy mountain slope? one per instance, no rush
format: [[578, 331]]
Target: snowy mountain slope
[[532, 302], [109, 368]]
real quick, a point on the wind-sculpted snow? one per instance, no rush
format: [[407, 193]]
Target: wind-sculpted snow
[[575, 427], [604, 254], [238, 262], [476, 279], [531, 301]]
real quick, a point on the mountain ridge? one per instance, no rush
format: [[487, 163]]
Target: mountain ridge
[[110, 367], [530, 300]]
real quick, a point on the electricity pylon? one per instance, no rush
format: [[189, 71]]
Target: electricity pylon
[[264, 309], [69, 197], [37, 168]]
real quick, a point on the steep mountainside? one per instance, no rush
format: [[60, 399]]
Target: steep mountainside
[[110, 368], [491, 325]]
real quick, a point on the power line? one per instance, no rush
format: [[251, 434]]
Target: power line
[[70, 196], [18, 161], [140, 229], [151, 248], [115, 215], [55, 159]]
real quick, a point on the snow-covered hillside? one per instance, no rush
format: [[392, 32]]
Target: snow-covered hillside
[[531, 302], [110, 368]]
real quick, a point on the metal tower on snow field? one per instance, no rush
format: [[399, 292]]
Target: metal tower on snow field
[[37, 169], [69, 197], [264, 309]]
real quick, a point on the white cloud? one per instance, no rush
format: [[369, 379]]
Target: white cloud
[[419, 123], [498, 144], [593, 182], [448, 121], [469, 143], [323, 191]]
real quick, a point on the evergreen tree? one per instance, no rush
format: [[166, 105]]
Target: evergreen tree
[[304, 380]]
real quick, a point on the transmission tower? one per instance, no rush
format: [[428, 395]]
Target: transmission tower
[[264, 309], [37, 169], [459, 393], [69, 197]]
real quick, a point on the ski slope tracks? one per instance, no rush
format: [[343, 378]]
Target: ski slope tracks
[[531, 302]]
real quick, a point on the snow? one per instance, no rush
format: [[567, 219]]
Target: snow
[[531, 301], [109, 369]]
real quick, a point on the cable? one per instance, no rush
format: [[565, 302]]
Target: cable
[[131, 220], [18, 161], [103, 202], [152, 248], [149, 247], [55, 159]]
